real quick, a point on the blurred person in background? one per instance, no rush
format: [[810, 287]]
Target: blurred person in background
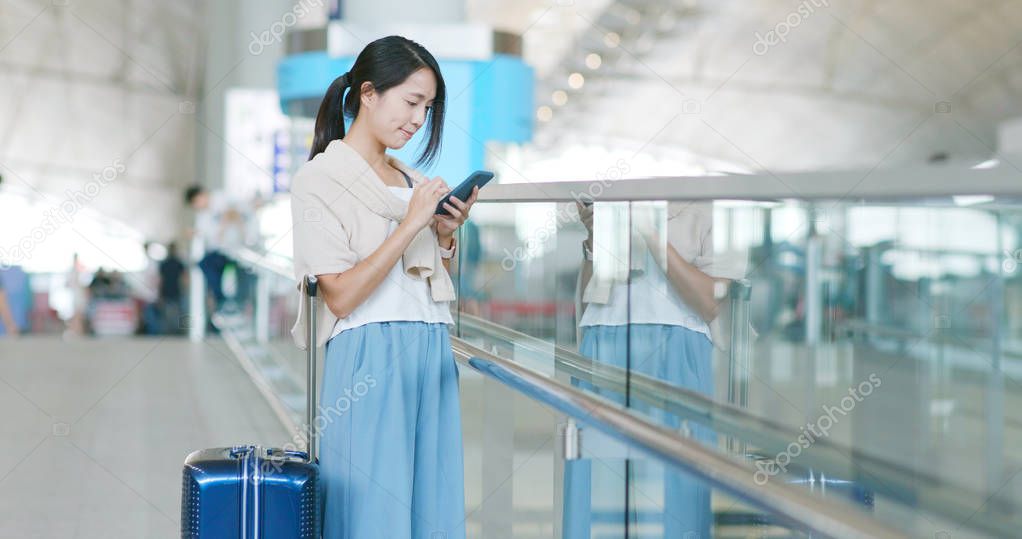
[[15, 284], [104, 284], [7, 315], [112, 309], [173, 280], [146, 291], [224, 226], [79, 298]]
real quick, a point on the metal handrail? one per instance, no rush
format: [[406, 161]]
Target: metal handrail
[[676, 400], [918, 182], [792, 505], [266, 261]]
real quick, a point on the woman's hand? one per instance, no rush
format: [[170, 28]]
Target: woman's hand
[[458, 210], [585, 215], [422, 205]]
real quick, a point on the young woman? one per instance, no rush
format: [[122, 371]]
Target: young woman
[[364, 223]]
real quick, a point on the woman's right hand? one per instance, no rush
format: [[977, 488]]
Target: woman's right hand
[[422, 206], [585, 214]]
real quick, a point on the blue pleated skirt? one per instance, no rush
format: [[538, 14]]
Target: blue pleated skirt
[[663, 501], [390, 420]]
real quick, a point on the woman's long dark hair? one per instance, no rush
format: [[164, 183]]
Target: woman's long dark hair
[[384, 63]]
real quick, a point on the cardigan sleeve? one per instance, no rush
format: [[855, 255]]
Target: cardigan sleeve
[[690, 230], [321, 244]]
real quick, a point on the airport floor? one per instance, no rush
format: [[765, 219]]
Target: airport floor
[[94, 440]]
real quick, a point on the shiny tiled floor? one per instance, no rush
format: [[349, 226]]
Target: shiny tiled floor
[[95, 431]]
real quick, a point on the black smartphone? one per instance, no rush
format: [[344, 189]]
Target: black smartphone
[[478, 179]]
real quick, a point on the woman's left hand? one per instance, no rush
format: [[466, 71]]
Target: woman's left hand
[[458, 210]]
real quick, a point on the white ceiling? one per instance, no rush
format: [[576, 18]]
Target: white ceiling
[[856, 84], [86, 84], [93, 85]]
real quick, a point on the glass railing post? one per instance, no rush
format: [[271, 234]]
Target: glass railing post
[[196, 293], [873, 302], [262, 305], [813, 290], [739, 293], [995, 404]]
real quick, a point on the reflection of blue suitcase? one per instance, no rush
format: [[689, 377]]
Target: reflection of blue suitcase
[[850, 490], [249, 492]]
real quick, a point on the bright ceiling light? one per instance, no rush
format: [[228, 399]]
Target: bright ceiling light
[[593, 61], [611, 39], [576, 80], [559, 97], [544, 113]]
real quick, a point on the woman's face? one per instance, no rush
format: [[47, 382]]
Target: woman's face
[[395, 115]]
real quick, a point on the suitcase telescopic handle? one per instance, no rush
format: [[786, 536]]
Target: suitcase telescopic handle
[[311, 289]]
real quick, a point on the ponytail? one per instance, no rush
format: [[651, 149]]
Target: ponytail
[[384, 63], [330, 119]]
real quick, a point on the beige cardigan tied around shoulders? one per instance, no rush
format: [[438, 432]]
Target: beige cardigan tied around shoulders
[[341, 210]]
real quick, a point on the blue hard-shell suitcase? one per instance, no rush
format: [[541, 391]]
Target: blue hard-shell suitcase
[[251, 492]]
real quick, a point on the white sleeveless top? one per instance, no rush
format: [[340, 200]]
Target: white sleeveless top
[[653, 301], [399, 297]]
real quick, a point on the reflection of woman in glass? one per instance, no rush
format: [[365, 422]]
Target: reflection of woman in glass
[[652, 318]]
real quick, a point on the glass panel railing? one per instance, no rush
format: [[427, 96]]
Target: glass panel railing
[[818, 467], [861, 314], [255, 322], [879, 356], [519, 483], [616, 438], [510, 451], [863, 351]]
